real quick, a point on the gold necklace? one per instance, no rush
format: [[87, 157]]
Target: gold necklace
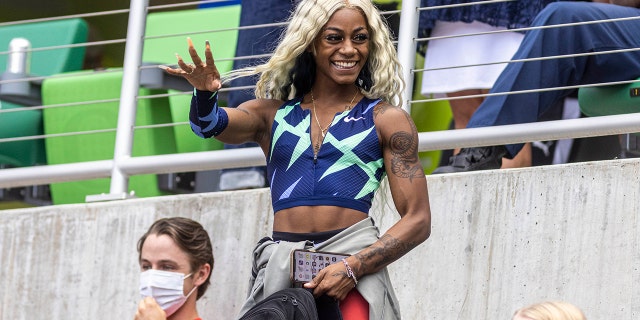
[[316, 147], [315, 114], [348, 107]]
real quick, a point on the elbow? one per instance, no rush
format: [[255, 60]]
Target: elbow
[[423, 227], [426, 231]]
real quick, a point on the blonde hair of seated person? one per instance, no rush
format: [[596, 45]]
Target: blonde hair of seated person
[[550, 310]]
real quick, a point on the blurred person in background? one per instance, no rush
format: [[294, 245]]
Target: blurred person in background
[[550, 310], [475, 35], [586, 37]]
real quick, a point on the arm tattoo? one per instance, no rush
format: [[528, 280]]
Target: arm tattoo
[[390, 250], [403, 146], [404, 150]]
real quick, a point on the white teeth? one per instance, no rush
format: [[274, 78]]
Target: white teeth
[[345, 64]]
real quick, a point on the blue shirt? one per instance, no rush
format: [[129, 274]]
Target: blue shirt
[[510, 14], [349, 164]]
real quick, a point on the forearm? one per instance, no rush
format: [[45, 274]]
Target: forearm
[[405, 235]]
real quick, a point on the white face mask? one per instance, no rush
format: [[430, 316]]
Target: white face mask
[[167, 288]]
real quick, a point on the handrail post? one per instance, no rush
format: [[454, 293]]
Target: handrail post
[[128, 100], [407, 47]]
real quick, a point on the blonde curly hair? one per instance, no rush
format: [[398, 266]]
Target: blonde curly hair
[[551, 310], [380, 77]]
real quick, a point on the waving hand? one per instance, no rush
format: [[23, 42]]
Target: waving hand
[[203, 75]]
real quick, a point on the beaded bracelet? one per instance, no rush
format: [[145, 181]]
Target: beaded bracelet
[[350, 273]]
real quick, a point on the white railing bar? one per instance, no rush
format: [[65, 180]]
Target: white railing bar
[[57, 135], [73, 45], [524, 29], [71, 16], [527, 132], [195, 161], [466, 4], [407, 48], [129, 91], [41, 175], [82, 103], [57, 76], [248, 157], [255, 26], [584, 54], [175, 124], [183, 4], [51, 106], [527, 91]]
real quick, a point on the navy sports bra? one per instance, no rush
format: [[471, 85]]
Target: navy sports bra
[[349, 165]]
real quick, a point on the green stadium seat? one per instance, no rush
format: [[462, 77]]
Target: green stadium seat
[[160, 44], [87, 86], [27, 122], [612, 100], [159, 48]]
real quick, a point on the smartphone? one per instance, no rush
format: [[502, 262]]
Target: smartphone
[[306, 264]]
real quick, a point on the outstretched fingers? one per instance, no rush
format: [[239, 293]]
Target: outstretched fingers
[[185, 67], [193, 53], [208, 55]]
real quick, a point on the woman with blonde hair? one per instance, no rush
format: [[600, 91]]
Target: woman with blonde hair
[[550, 310], [328, 120]]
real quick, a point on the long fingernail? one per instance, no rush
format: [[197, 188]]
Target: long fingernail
[[207, 44], [178, 56], [189, 41]]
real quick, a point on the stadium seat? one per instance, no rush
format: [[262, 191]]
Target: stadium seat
[[215, 24], [160, 44], [27, 122], [87, 86], [612, 100]]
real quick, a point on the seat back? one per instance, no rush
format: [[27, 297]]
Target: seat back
[[42, 63], [87, 86], [220, 23], [610, 100], [48, 34]]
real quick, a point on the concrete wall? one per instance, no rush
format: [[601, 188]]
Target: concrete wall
[[500, 240]]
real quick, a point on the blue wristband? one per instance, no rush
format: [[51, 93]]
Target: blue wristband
[[215, 119]]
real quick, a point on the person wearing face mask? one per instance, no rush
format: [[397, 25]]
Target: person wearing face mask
[[176, 259]]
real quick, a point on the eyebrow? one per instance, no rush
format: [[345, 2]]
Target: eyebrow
[[159, 262], [340, 30]]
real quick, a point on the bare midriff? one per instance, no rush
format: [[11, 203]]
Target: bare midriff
[[308, 219]]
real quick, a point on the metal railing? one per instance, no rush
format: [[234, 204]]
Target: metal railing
[[123, 165]]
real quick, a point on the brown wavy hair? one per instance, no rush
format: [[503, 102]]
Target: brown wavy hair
[[190, 237]]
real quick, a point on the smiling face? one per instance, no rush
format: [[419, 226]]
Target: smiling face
[[342, 47]]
